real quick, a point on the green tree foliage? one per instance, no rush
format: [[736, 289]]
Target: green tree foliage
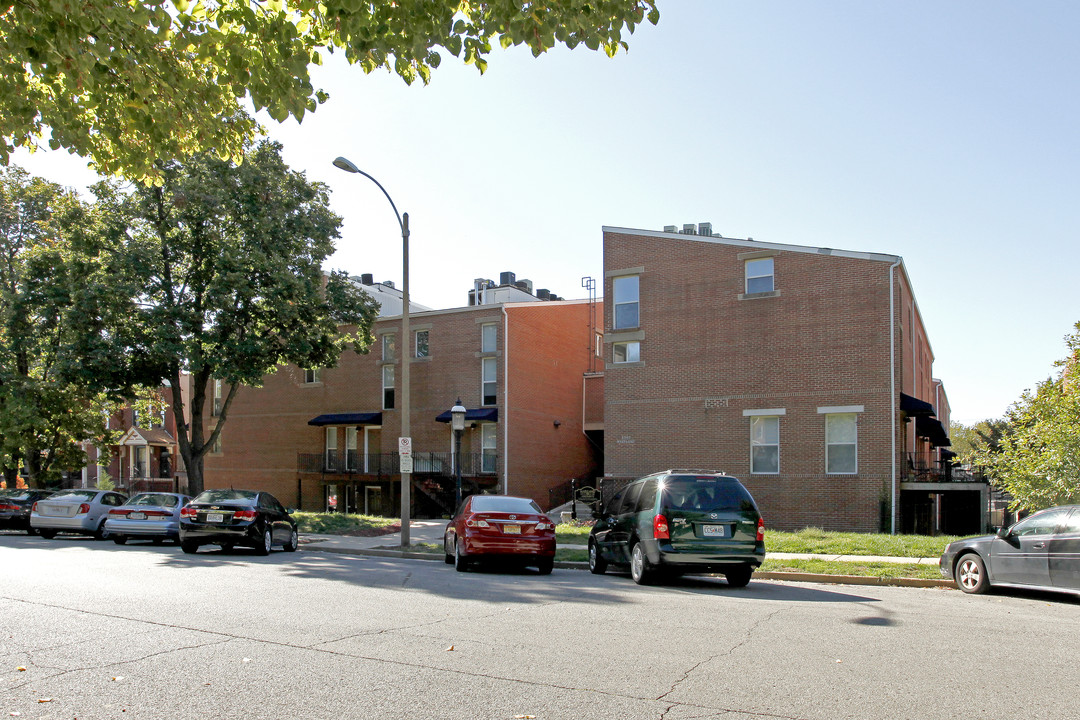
[[129, 84], [221, 264], [969, 440], [1038, 461], [47, 405]]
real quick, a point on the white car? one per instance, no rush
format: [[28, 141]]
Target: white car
[[75, 511]]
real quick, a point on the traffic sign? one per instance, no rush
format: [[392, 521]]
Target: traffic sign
[[404, 446], [406, 463]]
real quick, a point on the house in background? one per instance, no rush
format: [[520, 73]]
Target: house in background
[[327, 438], [804, 371]]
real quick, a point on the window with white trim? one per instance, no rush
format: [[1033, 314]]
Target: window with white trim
[[627, 302], [765, 444], [331, 447], [312, 376], [489, 333], [389, 347], [625, 352], [488, 436], [841, 443], [388, 387], [489, 390], [759, 276], [216, 410], [422, 344], [351, 459]]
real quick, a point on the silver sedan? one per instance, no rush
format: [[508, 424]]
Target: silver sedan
[[80, 511], [151, 515]]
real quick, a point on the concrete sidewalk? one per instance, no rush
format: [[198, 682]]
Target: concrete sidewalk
[[431, 531]]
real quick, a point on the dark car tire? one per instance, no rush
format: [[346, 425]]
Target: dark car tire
[[641, 570], [546, 565], [597, 564], [970, 574], [227, 547], [47, 534], [267, 542], [461, 564], [448, 557], [119, 539], [31, 531], [740, 577], [294, 542], [189, 547], [102, 533]]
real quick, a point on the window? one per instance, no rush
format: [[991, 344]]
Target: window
[[422, 344], [626, 301], [648, 496], [312, 376], [217, 398], [388, 387], [599, 345], [216, 449], [490, 386], [488, 335], [1044, 523], [487, 444], [841, 443], [331, 448], [135, 418], [350, 449], [765, 444], [626, 352], [759, 276], [142, 463], [389, 347]]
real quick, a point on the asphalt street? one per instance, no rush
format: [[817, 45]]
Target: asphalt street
[[94, 630]]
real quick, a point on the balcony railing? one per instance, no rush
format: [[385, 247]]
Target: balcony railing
[[926, 467], [435, 464]]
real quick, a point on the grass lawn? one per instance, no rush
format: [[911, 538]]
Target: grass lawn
[[342, 524], [829, 567]]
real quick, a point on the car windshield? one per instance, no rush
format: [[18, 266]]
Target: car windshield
[[219, 496], [155, 499], [75, 495], [706, 494], [501, 503]]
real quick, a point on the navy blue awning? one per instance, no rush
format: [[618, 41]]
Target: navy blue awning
[[931, 429], [474, 415], [371, 418], [914, 406]]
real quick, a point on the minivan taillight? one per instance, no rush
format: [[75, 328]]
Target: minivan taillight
[[760, 530], [660, 528], [187, 512]]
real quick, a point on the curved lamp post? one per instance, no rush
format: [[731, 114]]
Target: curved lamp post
[[403, 221], [457, 424]]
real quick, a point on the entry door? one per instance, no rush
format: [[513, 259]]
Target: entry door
[[1023, 555], [373, 500]]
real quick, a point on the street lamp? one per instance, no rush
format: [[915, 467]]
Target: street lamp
[[457, 424], [403, 221]]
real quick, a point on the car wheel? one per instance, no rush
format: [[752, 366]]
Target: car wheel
[[597, 564], [47, 534], [460, 563], [119, 539], [640, 570], [31, 531], [294, 542], [448, 557], [103, 533], [739, 577], [189, 547], [226, 547], [970, 574], [267, 542], [545, 566]]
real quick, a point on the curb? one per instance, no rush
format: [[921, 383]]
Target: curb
[[571, 565]]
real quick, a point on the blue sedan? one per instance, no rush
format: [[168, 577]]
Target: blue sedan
[[154, 516], [1040, 552]]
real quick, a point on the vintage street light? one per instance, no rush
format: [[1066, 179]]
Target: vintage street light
[[457, 424], [403, 221]]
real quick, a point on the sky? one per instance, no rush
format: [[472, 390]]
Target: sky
[[945, 133]]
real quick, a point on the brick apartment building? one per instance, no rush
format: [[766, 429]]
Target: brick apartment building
[[328, 438], [804, 371]]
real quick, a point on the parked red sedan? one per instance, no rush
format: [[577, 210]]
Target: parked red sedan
[[500, 527]]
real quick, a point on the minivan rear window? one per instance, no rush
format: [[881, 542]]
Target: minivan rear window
[[706, 494]]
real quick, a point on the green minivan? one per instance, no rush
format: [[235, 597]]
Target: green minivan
[[677, 522]]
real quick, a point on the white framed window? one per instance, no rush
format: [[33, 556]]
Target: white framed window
[[312, 376], [625, 290], [626, 352], [388, 387], [331, 446], [216, 410], [389, 347], [141, 465], [759, 276], [135, 417], [489, 389], [841, 443], [422, 350], [765, 444], [488, 436], [489, 333], [599, 349], [351, 458]]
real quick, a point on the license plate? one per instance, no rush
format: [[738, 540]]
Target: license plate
[[512, 529], [136, 516], [714, 530], [215, 517]]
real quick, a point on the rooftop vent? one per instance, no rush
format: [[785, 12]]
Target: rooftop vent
[[507, 278], [543, 294], [671, 228], [705, 229], [689, 229], [367, 279]]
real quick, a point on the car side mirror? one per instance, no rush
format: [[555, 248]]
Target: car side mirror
[[1003, 532]]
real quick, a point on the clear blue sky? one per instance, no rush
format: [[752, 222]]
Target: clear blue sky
[[942, 132]]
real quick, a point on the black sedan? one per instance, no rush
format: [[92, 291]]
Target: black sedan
[[15, 508], [1041, 552], [249, 518]]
